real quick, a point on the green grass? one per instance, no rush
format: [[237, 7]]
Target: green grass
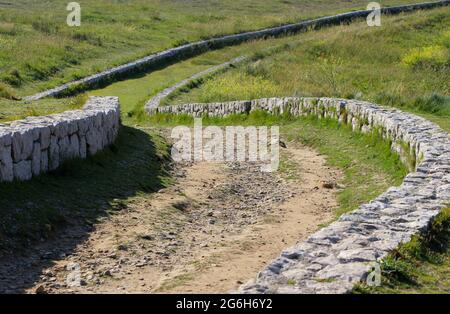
[[83, 190], [15, 110], [39, 50], [287, 56], [135, 92], [368, 164], [404, 63], [385, 69], [420, 266]]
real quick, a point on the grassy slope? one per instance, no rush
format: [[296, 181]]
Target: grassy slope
[[39, 50], [420, 266], [404, 63], [135, 91]]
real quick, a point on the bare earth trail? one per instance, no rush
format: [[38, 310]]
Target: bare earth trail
[[211, 231]]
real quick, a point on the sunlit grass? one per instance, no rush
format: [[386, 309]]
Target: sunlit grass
[[39, 50], [405, 63]]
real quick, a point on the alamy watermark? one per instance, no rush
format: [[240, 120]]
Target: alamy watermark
[[236, 143], [374, 277], [374, 17], [74, 17]]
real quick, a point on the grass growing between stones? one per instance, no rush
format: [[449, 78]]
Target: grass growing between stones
[[420, 266], [82, 190], [369, 165]]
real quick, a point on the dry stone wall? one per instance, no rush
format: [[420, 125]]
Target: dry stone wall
[[155, 101], [36, 145], [337, 257], [214, 43]]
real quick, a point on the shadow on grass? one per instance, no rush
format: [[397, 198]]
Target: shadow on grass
[[63, 206]]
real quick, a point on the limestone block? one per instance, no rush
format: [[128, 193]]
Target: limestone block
[[6, 164], [61, 129], [22, 170], [74, 148], [72, 126], [45, 137], [36, 159], [44, 161], [83, 147], [92, 141], [54, 161], [64, 148], [5, 138], [22, 144]]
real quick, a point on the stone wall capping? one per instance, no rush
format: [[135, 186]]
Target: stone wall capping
[[35, 145]]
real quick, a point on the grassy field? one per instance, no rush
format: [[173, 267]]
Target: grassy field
[[18, 110], [405, 63], [38, 49], [363, 75]]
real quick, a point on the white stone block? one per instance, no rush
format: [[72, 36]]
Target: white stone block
[[22, 144], [45, 137]]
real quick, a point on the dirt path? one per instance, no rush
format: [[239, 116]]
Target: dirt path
[[211, 231]]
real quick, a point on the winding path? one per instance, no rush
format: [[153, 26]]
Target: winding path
[[339, 256]]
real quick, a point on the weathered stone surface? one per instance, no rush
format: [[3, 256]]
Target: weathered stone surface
[[44, 161], [35, 145], [83, 147], [36, 159], [74, 148], [45, 137], [53, 153], [6, 164], [22, 170], [336, 257], [22, 144]]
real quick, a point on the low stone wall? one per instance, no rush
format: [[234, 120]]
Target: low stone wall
[[337, 257], [198, 47], [36, 145], [155, 101]]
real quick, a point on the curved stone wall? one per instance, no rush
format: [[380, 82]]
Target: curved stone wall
[[155, 101], [36, 145], [337, 257], [214, 43]]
